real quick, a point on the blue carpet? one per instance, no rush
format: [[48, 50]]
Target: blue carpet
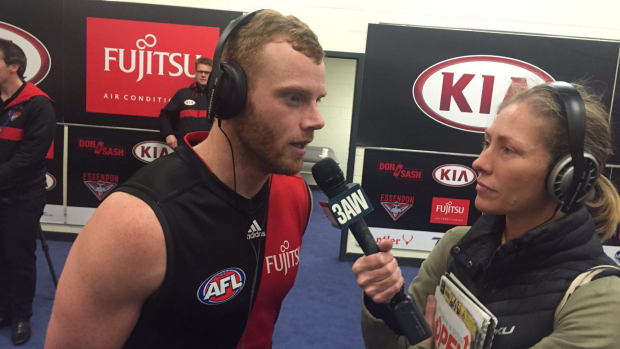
[[44, 297], [321, 311]]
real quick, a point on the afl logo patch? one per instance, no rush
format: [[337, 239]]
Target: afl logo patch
[[222, 286], [189, 102]]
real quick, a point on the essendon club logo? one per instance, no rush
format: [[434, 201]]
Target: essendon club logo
[[396, 205], [398, 171], [466, 92], [134, 67], [449, 211], [100, 184], [100, 148]]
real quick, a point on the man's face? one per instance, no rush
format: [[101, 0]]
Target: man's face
[[202, 75], [6, 71], [282, 111]]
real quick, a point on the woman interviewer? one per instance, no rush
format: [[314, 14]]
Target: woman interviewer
[[522, 255]]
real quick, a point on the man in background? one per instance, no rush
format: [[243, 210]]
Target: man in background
[[27, 128], [187, 110]]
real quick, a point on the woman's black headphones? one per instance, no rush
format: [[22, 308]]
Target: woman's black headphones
[[574, 174], [227, 88]]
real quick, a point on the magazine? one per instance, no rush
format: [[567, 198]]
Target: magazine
[[461, 321]]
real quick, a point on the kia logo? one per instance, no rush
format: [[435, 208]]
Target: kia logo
[[50, 181], [151, 150], [454, 175], [39, 60], [465, 92], [189, 102]]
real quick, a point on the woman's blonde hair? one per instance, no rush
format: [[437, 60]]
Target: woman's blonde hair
[[603, 202]]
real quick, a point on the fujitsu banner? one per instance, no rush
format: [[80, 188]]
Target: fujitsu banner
[[100, 159], [135, 57], [134, 67], [418, 196], [37, 30], [438, 89]]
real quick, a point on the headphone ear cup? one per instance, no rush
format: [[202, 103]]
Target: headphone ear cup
[[560, 178], [231, 91]]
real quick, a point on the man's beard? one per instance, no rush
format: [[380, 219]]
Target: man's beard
[[260, 142]]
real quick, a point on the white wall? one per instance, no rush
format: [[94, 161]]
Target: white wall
[[342, 25], [337, 108]]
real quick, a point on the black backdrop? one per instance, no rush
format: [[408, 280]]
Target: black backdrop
[[75, 49], [397, 55], [42, 20]]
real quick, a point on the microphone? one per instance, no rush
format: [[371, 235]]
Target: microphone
[[346, 207]]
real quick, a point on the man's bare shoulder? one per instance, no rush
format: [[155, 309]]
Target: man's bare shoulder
[[116, 263], [122, 242]]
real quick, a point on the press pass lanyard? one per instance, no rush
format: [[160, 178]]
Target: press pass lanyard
[[7, 120]]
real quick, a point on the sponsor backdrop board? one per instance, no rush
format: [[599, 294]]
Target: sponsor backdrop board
[[54, 212], [417, 196], [128, 60], [441, 88], [99, 160], [613, 252], [38, 31]]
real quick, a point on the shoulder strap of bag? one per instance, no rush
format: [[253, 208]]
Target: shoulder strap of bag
[[581, 280]]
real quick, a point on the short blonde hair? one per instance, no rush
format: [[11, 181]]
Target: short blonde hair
[[270, 26]]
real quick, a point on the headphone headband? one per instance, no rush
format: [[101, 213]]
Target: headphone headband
[[574, 109], [216, 74]]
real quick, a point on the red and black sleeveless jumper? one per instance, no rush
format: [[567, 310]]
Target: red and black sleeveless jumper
[[230, 260]]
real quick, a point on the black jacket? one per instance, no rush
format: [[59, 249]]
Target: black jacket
[[186, 112], [24, 142], [523, 280]]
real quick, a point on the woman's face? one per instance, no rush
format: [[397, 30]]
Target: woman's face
[[513, 165]]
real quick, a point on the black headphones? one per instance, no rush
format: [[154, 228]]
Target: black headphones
[[227, 88], [573, 175]]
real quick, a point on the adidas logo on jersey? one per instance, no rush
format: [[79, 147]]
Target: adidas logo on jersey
[[255, 231]]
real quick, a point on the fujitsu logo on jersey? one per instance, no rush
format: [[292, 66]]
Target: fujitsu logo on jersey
[[255, 231], [148, 59], [284, 260], [222, 286]]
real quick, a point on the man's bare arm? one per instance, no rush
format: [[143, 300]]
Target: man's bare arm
[[115, 264]]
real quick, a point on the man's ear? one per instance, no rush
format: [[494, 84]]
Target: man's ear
[[13, 67]]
